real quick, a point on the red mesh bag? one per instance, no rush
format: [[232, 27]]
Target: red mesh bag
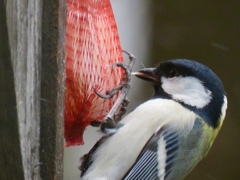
[[92, 46]]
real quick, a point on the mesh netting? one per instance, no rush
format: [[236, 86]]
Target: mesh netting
[[92, 46]]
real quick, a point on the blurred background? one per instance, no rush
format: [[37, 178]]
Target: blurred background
[[206, 31]]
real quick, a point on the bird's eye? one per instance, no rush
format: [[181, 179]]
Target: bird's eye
[[173, 73]]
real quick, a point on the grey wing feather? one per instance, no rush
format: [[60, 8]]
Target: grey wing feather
[[171, 147], [146, 165], [139, 171]]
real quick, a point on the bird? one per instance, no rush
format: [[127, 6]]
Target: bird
[[169, 134]]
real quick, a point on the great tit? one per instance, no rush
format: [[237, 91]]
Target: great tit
[[165, 137]]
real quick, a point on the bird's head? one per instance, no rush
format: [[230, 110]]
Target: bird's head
[[191, 84]]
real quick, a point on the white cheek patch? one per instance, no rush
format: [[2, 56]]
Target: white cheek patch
[[188, 90], [224, 108]]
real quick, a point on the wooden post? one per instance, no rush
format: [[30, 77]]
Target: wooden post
[[36, 31], [10, 153], [52, 88]]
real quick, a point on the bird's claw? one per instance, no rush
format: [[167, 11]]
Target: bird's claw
[[111, 93], [120, 105], [126, 78], [127, 72]]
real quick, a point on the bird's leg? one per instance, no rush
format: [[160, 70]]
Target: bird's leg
[[122, 110], [111, 123], [120, 105]]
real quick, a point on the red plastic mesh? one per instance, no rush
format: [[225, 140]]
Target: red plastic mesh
[[92, 46]]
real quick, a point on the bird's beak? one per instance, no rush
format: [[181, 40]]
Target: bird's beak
[[148, 74]]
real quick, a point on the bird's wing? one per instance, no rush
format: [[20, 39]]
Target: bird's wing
[[86, 160], [170, 154], [146, 165]]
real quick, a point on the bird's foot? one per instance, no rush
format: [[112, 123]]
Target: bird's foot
[[120, 105]]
